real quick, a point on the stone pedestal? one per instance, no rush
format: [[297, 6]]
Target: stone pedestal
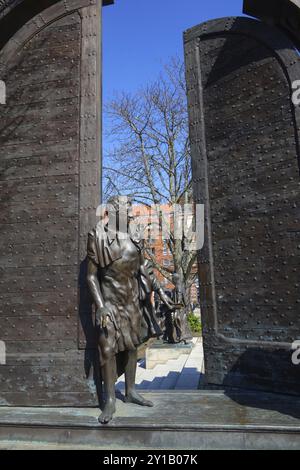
[[202, 420], [160, 352]]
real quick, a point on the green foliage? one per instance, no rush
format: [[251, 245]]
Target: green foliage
[[194, 323]]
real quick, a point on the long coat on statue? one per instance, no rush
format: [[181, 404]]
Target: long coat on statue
[[125, 284]]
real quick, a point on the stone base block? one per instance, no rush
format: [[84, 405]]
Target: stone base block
[[160, 353]]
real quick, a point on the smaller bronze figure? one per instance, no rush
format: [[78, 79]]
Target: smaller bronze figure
[[150, 285], [176, 324]]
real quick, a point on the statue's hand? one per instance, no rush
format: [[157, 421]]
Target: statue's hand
[[168, 302], [101, 317]]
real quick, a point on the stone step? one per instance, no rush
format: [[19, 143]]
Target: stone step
[[176, 372], [189, 379], [191, 373], [200, 420], [169, 382], [147, 379]]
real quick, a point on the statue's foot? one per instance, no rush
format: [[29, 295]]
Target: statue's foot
[[108, 412], [137, 399]]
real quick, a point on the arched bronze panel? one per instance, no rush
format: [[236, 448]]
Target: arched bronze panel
[[50, 130], [245, 143]]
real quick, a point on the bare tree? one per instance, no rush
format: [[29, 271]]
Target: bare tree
[[149, 158]]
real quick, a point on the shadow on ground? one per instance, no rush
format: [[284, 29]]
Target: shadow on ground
[[265, 379], [189, 378]]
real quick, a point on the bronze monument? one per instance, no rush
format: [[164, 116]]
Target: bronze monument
[[50, 173], [119, 281], [241, 74]]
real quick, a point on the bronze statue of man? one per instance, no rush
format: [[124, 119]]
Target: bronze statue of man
[[182, 328], [116, 266], [150, 285], [177, 329]]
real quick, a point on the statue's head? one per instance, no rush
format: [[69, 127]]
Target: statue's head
[[118, 213]]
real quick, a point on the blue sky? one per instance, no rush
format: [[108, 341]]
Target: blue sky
[[140, 35]]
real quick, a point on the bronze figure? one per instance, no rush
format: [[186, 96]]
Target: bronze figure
[[150, 285], [176, 328], [180, 314], [119, 282]]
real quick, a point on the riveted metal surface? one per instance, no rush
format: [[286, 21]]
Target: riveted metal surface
[[284, 13], [245, 143], [49, 191]]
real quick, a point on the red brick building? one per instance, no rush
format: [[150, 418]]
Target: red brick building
[[148, 217]]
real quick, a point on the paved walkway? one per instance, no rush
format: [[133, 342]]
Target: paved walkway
[[184, 373]]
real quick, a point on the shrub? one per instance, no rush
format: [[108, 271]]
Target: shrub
[[194, 323]]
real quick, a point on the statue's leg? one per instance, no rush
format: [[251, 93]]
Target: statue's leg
[[109, 378], [106, 344], [132, 396], [172, 335], [178, 327]]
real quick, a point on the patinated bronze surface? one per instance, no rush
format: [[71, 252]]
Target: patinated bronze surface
[[49, 191], [176, 328], [120, 284], [283, 13], [183, 331], [150, 286], [244, 132]]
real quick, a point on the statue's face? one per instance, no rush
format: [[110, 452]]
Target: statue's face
[[121, 213], [125, 212], [130, 214]]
